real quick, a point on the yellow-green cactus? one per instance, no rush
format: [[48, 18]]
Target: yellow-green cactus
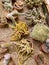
[[40, 32]]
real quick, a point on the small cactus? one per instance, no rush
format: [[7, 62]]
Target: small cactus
[[40, 32]]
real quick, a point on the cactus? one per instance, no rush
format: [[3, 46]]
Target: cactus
[[40, 32]]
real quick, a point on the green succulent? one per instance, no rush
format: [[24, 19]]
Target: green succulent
[[40, 32]]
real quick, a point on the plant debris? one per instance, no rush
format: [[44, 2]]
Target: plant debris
[[3, 50], [7, 4], [12, 18], [3, 21], [6, 45], [18, 5], [31, 3], [35, 16], [25, 47], [45, 47], [25, 50], [20, 30], [40, 59], [28, 22]]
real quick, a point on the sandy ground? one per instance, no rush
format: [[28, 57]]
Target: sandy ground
[[5, 35]]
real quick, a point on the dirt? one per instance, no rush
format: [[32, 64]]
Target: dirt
[[5, 36]]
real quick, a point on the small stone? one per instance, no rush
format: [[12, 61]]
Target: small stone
[[7, 56], [6, 59], [47, 42], [48, 50]]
